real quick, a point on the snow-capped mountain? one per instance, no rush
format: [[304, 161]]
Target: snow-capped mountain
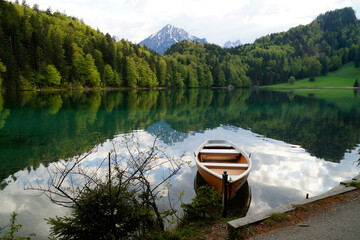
[[168, 36], [229, 44]]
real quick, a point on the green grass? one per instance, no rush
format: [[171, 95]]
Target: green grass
[[342, 78], [353, 184], [269, 222], [332, 88], [299, 207], [279, 217]]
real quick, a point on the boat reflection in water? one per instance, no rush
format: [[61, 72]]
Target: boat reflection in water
[[239, 205]]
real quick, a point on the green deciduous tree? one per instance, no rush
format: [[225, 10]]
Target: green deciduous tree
[[91, 74], [2, 69], [208, 77], [52, 76], [201, 77], [314, 69], [292, 80], [161, 71], [84, 69], [132, 75], [108, 76], [179, 80], [221, 79], [147, 77], [192, 80]]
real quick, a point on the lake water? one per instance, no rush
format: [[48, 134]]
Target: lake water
[[302, 142]]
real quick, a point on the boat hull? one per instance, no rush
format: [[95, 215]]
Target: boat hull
[[238, 171], [216, 182]]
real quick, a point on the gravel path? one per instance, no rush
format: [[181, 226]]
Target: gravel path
[[341, 222]]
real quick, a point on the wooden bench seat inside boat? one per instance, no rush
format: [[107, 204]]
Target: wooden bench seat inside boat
[[226, 156], [218, 146], [220, 151], [241, 165], [231, 171]]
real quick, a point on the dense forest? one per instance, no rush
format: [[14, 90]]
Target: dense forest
[[45, 49]]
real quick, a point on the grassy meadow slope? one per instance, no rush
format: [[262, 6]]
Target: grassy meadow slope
[[342, 78]]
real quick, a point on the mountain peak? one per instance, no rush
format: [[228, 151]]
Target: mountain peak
[[167, 36], [168, 26], [230, 44]]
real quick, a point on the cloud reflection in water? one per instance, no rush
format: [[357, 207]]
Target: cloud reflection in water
[[281, 173]]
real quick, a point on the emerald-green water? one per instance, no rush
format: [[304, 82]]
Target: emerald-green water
[[39, 126], [312, 136]]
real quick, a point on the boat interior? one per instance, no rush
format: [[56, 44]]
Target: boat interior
[[220, 158]]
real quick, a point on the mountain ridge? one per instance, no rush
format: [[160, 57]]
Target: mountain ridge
[[167, 36], [230, 44]]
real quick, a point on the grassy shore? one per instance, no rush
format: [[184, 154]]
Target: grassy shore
[[342, 78]]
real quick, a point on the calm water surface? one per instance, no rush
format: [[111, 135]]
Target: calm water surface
[[303, 142]]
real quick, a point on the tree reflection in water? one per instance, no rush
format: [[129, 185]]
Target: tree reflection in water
[[60, 124]]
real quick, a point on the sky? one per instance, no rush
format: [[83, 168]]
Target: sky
[[216, 20]]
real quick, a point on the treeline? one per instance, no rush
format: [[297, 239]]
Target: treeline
[[45, 49], [324, 45]]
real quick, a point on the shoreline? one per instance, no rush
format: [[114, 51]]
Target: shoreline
[[103, 89], [261, 224], [341, 188], [309, 88], [333, 194]]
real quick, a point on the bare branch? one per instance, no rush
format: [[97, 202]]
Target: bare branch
[[70, 180]]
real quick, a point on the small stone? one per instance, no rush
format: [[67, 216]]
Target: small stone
[[303, 225]]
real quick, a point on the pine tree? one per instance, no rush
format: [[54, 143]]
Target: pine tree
[[356, 84]]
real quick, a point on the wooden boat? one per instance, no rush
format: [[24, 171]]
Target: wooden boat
[[214, 157]]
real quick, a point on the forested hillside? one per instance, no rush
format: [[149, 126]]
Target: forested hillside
[[324, 45], [42, 49], [45, 49], [208, 65]]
